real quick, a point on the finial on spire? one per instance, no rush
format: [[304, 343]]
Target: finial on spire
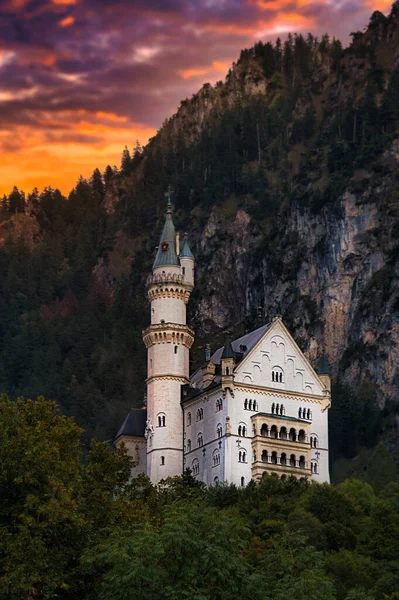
[[168, 195]]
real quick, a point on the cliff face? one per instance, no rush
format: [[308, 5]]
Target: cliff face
[[285, 177]]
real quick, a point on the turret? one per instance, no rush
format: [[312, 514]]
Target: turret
[[168, 340], [187, 262]]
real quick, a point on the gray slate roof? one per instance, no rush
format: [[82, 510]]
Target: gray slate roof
[[134, 424], [249, 341]]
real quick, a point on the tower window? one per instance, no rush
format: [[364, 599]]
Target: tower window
[[188, 419], [161, 420], [162, 460], [242, 481], [219, 404], [200, 414], [175, 349]]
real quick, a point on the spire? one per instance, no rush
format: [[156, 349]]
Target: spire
[[185, 251], [228, 351], [166, 254]]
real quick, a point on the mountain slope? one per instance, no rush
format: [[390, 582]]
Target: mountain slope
[[285, 177]]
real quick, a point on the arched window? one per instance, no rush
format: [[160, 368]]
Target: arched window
[[244, 431], [188, 419], [309, 414], [277, 409], [274, 458], [161, 420], [195, 466], [200, 441], [302, 462], [227, 371], [239, 430], [265, 457], [242, 456], [273, 406], [200, 414], [219, 430], [264, 430], [301, 436], [242, 481], [314, 467], [292, 435], [273, 431], [282, 409], [162, 460], [188, 445], [219, 404], [283, 459], [299, 413], [175, 349], [277, 375], [292, 460], [216, 480], [246, 404], [255, 405], [283, 433], [250, 405], [216, 458]]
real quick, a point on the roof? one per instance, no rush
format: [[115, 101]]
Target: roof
[[185, 251], [228, 351], [166, 255], [241, 347], [134, 424]]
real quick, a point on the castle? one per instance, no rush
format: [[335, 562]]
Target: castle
[[255, 407]]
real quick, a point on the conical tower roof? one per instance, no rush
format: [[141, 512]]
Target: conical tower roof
[[185, 251], [228, 351], [166, 255]]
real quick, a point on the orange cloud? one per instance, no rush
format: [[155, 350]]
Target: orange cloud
[[63, 2], [66, 22], [217, 65], [111, 117]]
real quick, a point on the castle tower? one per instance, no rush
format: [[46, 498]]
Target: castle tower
[[168, 341]]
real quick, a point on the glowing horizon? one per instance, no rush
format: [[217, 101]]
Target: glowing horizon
[[80, 79]]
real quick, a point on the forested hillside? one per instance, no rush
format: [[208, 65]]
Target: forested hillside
[[73, 530], [285, 177]]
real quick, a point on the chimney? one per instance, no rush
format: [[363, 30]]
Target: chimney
[[208, 373]]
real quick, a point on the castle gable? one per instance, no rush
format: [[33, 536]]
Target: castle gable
[[276, 361]]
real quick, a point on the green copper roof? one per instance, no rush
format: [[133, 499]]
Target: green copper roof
[[185, 251], [166, 255], [228, 351]]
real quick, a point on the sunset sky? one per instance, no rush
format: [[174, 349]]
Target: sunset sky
[[79, 79]]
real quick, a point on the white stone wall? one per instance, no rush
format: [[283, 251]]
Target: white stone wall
[[169, 310], [168, 359], [188, 270], [137, 449], [277, 353]]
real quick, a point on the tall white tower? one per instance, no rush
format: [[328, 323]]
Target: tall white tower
[[168, 341]]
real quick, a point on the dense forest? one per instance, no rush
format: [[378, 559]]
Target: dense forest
[[286, 174], [73, 530]]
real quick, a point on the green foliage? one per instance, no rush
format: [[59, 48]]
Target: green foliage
[[81, 530]]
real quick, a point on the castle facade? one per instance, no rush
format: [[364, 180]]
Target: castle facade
[[255, 407]]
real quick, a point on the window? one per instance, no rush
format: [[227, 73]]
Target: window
[[273, 408], [283, 433], [227, 371], [242, 429], [175, 349], [216, 458], [242, 481], [274, 458], [161, 420], [250, 405], [200, 441], [277, 375], [301, 436], [282, 409], [254, 456], [188, 419], [219, 431], [162, 460], [300, 413], [283, 459], [314, 467], [200, 414], [302, 462], [292, 460], [265, 457], [242, 456], [184, 270], [195, 466], [219, 404], [313, 442], [188, 445], [264, 430], [246, 404]]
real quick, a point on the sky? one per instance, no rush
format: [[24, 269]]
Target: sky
[[80, 79]]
